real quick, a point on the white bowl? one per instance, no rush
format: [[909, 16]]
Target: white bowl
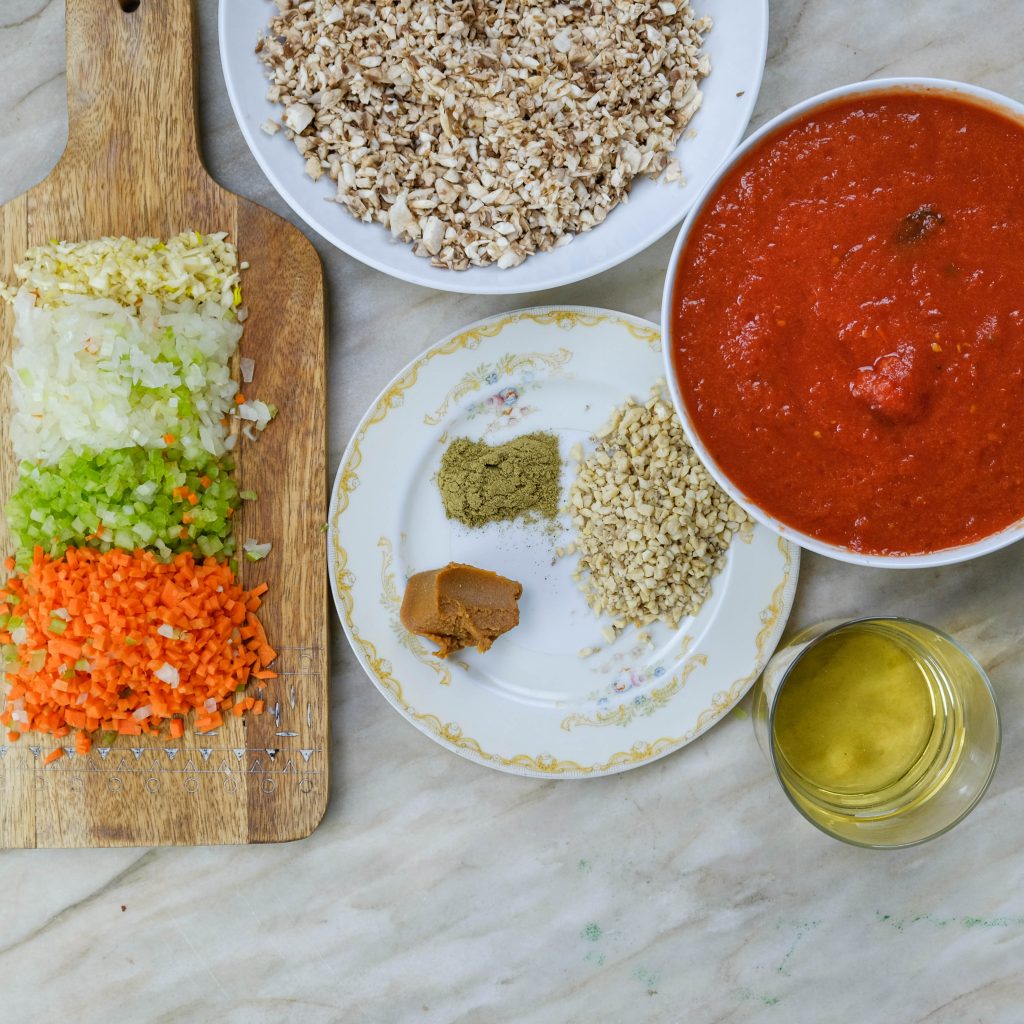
[[945, 556], [737, 45]]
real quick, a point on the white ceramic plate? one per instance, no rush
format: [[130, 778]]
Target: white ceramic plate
[[946, 556], [737, 45], [531, 705]]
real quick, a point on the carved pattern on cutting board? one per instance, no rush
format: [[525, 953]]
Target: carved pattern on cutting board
[[147, 764]]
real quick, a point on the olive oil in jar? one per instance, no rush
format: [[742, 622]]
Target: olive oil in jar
[[868, 722]]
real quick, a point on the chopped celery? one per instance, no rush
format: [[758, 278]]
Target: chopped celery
[[130, 492]]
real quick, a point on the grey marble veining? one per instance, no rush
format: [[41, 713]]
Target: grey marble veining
[[437, 891]]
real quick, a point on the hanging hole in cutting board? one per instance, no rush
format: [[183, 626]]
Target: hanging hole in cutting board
[[129, 6]]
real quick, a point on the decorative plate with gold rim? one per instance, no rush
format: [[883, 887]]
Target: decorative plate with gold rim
[[531, 705]]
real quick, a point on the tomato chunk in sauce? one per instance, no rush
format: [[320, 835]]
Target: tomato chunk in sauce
[[849, 323]]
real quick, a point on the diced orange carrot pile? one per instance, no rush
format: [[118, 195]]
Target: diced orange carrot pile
[[120, 641]]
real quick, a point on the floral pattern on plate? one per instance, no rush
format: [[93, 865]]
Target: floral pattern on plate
[[503, 404]]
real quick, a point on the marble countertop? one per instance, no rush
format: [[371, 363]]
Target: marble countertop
[[438, 891]]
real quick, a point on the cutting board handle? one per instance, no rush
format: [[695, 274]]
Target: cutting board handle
[[131, 93]]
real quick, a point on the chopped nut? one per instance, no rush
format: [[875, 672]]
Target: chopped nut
[[652, 526]]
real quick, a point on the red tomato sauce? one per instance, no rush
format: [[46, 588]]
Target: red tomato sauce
[[849, 323]]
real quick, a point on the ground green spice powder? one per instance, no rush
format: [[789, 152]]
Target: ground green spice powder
[[481, 484]]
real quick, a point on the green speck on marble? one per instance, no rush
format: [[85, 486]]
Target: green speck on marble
[[591, 932], [649, 979], [760, 997], [965, 921], [802, 929], [584, 866]]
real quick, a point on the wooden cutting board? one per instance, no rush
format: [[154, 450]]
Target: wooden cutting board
[[132, 167]]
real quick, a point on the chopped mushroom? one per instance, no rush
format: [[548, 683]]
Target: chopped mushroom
[[482, 133]]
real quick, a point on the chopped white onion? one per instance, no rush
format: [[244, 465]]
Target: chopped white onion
[[248, 367], [167, 674], [254, 551], [117, 387], [144, 712], [166, 630], [210, 705]]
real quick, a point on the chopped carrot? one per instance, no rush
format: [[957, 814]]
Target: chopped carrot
[[9, 563], [82, 744], [205, 481], [168, 439], [108, 661], [239, 398], [13, 737], [54, 755]]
